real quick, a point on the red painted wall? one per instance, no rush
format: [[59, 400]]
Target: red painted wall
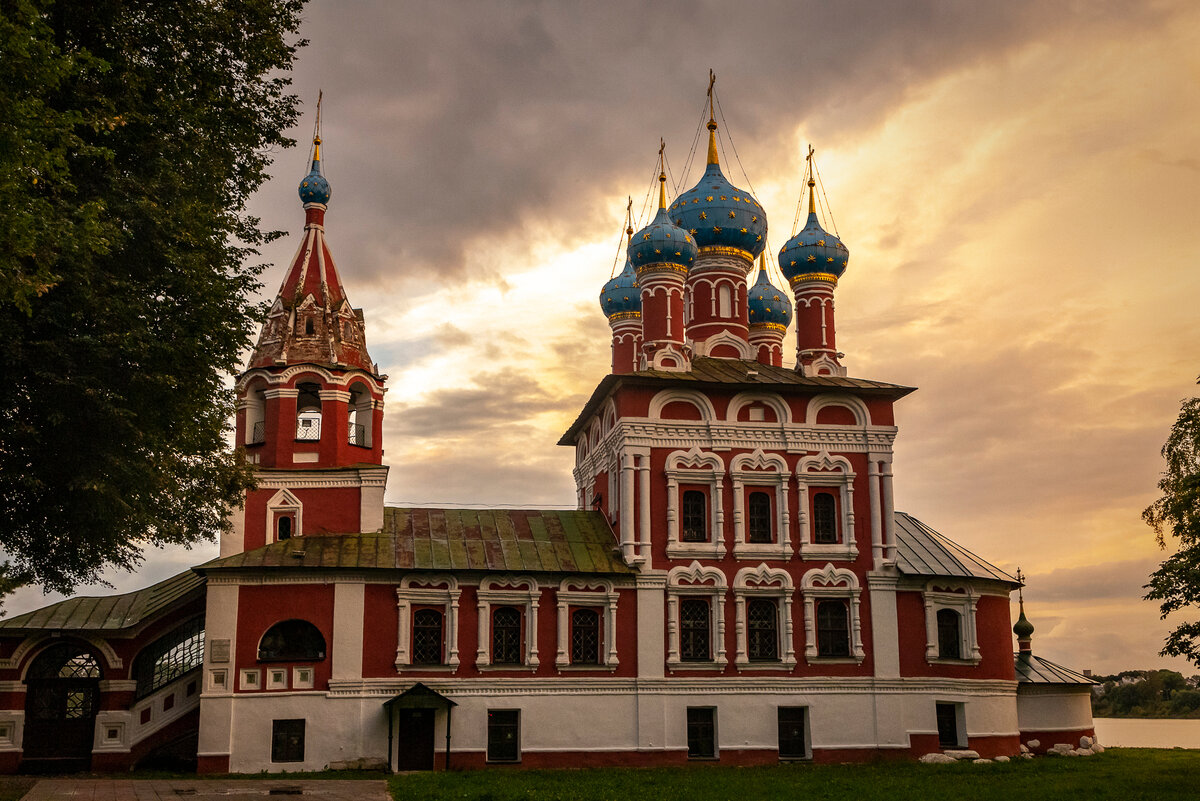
[[260, 607], [992, 629]]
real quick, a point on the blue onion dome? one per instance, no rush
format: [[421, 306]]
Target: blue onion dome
[[662, 242], [621, 296], [717, 213], [814, 252], [314, 188], [768, 304]]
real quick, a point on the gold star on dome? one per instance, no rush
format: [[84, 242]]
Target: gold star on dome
[[793, 264], [691, 231], [821, 242], [716, 229], [768, 308], [668, 234], [812, 257], [697, 200], [709, 198], [830, 259], [704, 215], [744, 231], [677, 253], [657, 252], [757, 238], [754, 219], [732, 214], [626, 297], [736, 198], [776, 297], [843, 262], [645, 236], [723, 197]]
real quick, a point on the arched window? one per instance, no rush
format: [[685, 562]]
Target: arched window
[[824, 518], [65, 661], [506, 636], [292, 641], [694, 630], [762, 630], [359, 409], [585, 637], [427, 637], [285, 528], [724, 301], [256, 417], [949, 634], [308, 412], [833, 629], [308, 327], [695, 521], [172, 655], [758, 512]]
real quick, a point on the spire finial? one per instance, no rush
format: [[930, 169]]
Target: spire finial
[[712, 121], [629, 221], [662, 174], [812, 184], [317, 129]]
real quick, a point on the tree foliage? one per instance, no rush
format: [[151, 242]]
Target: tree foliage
[[132, 133], [1176, 583], [1146, 694]]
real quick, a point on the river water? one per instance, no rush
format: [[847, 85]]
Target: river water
[[1147, 733]]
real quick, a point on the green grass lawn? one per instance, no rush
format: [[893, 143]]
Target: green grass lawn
[[1118, 774]]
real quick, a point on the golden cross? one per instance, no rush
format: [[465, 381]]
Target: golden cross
[[712, 79]]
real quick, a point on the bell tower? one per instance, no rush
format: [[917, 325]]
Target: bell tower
[[310, 403]]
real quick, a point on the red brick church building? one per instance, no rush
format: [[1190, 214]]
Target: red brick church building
[[735, 585]]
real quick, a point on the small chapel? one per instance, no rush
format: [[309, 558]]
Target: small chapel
[[735, 585]]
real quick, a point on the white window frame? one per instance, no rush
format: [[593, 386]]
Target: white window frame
[[508, 590], [824, 471], [302, 678], [250, 680], [775, 584], [284, 501], [591, 594], [427, 591], [830, 583], [963, 599], [700, 469], [696, 581], [768, 471]]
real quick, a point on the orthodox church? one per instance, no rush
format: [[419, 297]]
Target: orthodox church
[[735, 585]]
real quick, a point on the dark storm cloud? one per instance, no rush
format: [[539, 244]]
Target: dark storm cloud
[[493, 399], [448, 125]]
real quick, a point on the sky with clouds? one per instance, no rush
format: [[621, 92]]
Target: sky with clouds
[[1015, 182]]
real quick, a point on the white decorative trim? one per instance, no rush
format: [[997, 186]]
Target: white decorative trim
[[250, 680], [759, 469], [507, 590], [757, 582], [826, 471], [581, 592], [667, 396], [707, 469], [35, 642], [284, 501], [427, 592], [862, 415], [706, 346], [783, 412], [374, 476], [701, 581], [279, 377], [963, 599], [831, 583]]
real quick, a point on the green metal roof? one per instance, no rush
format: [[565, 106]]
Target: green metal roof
[[921, 551], [109, 612], [737, 374], [1035, 670], [525, 540]]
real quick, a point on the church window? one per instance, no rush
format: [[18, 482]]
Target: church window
[[359, 410], [504, 735], [702, 732], [176, 653], [948, 720], [694, 630], [758, 509], [585, 637], [949, 634], [287, 740], [284, 529], [833, 629], [762, 630], [308, 327], [793, 740], [824, 518], [427, 637], [292, 641], [725, 301], [308, 412], [695, 519], [506, 636]]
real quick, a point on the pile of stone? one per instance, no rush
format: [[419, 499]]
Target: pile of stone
[[1087, 747]]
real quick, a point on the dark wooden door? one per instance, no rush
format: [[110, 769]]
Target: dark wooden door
[[415, 740], [61, 701]]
